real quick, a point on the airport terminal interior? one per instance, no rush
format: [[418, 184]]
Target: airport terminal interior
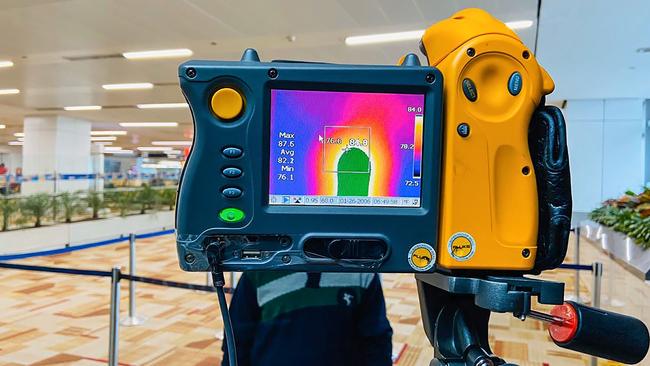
[[327, 201]]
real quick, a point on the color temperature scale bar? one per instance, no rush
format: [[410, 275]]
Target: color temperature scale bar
[[417, 146]]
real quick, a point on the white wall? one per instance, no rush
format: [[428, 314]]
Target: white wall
[[606, 148]]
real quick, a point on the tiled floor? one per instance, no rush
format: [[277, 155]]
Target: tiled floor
[[50, 319]]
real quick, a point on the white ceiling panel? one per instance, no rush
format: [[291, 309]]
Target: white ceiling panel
[[40, 37]]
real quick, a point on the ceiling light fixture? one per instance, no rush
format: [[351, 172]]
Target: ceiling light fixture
[[9, 91], [16, 143], [154, 148], [83, 108], [137, 55], [103, 138], [3, 126], [171, 143], [128, 86], [413, 35], [126, 152], [6, 63], [384, 37], [113, 148], [20, 139], [107, 133], [162, 105], [519, 24], [149, 124], [19, 134]]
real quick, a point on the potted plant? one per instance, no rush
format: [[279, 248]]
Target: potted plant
[[122, 201], [168, 198], [36, 207], [70, 204], [95, 201], [8, 207], [146, 198]]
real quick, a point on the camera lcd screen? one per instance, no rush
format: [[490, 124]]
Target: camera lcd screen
[[335, 148]]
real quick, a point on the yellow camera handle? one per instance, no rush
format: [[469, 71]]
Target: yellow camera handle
[[492, 86]]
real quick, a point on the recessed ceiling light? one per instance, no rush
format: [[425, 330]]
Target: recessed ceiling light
[[3, 126], [113, 148], [179, 52], [154, 148], [21, 139], [148, 124], [413, 35], [171, 143], [107, 133], [83, 108], [162, 105], [384, 37], [103, 138], [128, 86], [119, 152], [520, 24], [9, 91], [16, 143], [103, 143], [6, 63], [19, 134]]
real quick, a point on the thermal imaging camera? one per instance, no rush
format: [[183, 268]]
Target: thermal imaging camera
[[456, 171], [300, 165], [310, 166]]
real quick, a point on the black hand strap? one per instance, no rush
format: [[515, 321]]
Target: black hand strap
[[548, 148]]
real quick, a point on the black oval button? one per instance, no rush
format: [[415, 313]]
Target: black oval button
[[231, 152], [469, 89], [231, 192], [515, 83], [231, 172]]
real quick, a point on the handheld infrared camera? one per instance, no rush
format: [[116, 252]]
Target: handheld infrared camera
[[303, 166]]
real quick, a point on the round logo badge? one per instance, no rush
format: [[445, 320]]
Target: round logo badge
[[461, 246], [422, 257]]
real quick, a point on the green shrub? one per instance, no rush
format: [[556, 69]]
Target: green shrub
[[35, 207], [168, 198], [70, 203], [95, 201], [629, 215], [8, 207], [146, 198], [123, 201]]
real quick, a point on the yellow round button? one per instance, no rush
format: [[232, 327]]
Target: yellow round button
[[227, 103]]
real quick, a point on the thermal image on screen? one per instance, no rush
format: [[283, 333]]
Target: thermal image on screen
[[330, 148]]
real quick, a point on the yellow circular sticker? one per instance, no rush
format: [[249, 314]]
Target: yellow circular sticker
[[422, 257], [461, 246]]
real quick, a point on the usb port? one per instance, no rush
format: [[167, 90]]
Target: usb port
[[251, 254]]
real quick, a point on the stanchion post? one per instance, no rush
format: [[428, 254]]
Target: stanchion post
[[596, 292], [113, 345], [132, 319], [598, 279], [577, 261]]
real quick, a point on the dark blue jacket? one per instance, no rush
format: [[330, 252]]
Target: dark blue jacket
[[310, 319]]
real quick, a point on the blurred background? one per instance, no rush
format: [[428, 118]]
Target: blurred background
[[94, 131]]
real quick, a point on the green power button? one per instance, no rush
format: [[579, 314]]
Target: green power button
[[231, 214]]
